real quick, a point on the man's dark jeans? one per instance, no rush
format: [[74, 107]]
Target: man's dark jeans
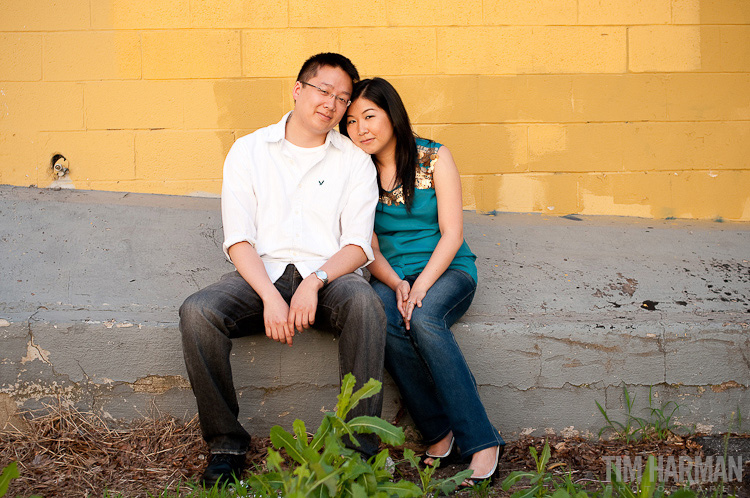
[[230, 308]]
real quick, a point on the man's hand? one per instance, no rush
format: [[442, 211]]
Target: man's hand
[[304, 304], [275, 313]]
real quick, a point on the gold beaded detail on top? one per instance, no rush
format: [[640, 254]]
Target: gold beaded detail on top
[[426, 159], [395, 196]]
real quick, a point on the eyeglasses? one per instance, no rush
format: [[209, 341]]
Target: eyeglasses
[[326, 94]]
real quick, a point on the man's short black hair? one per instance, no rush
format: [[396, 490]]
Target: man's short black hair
[[311, 66]]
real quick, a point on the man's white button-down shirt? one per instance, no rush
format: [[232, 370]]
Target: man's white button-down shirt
[[292, 211]]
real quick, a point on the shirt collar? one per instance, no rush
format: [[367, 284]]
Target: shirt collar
[[276, 132]]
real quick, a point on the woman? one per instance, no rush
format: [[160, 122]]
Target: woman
[[425, 274]]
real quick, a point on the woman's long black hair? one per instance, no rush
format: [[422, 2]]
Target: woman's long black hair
[[382, 94]]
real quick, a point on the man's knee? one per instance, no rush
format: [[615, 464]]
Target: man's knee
[[357, 292], [365, 298], [358, 305], [192, 307], [195, 312]]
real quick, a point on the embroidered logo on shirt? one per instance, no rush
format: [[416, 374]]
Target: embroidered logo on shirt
[[320, 182]]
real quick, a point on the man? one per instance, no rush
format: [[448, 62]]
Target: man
[[298, 204]]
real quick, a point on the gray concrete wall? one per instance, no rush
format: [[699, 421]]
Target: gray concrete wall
[[91, 283]]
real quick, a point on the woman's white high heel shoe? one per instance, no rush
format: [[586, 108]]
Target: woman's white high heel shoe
[[444, 455], [474, 480]]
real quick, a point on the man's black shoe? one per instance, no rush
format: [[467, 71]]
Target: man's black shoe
[[223, 467]]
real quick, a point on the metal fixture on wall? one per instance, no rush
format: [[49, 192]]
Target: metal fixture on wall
[[59, 165]]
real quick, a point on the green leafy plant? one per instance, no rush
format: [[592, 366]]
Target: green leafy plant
[[657, 425], [481, 490], [542, 481], [631, 429], [648, 483], [431, 486], [9, 473], [570, 488], [660, 424], [323, 466], [538, 479]]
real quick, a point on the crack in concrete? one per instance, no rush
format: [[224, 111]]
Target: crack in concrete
[[271, 390], [88, 379], [159, 384], [539, 375], [192, 277], [211, 234], [530, 354], [660, 344], [29, 319], [744, 356], [718, 388], [41, 354], [585, 345]]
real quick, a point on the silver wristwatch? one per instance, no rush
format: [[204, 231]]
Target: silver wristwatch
[[322, 276]]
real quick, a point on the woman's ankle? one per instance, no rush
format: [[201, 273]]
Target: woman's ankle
[[441, 446], [484, 460]]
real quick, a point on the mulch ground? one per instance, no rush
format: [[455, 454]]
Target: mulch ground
[[65, 453]]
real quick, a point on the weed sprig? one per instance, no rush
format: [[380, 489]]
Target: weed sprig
[[658, 425]]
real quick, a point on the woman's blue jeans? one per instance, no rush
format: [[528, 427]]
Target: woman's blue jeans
[[426, 363]]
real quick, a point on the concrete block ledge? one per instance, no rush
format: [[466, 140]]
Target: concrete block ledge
[[568, 311]]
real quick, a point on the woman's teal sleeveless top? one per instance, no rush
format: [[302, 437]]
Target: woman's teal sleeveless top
[[407, 240]]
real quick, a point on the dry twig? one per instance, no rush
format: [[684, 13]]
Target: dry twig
[[65, 452]]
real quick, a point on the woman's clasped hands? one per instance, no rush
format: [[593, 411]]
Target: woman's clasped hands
[[407, 298]]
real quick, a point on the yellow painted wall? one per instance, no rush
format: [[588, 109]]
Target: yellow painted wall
[[618, 107]]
